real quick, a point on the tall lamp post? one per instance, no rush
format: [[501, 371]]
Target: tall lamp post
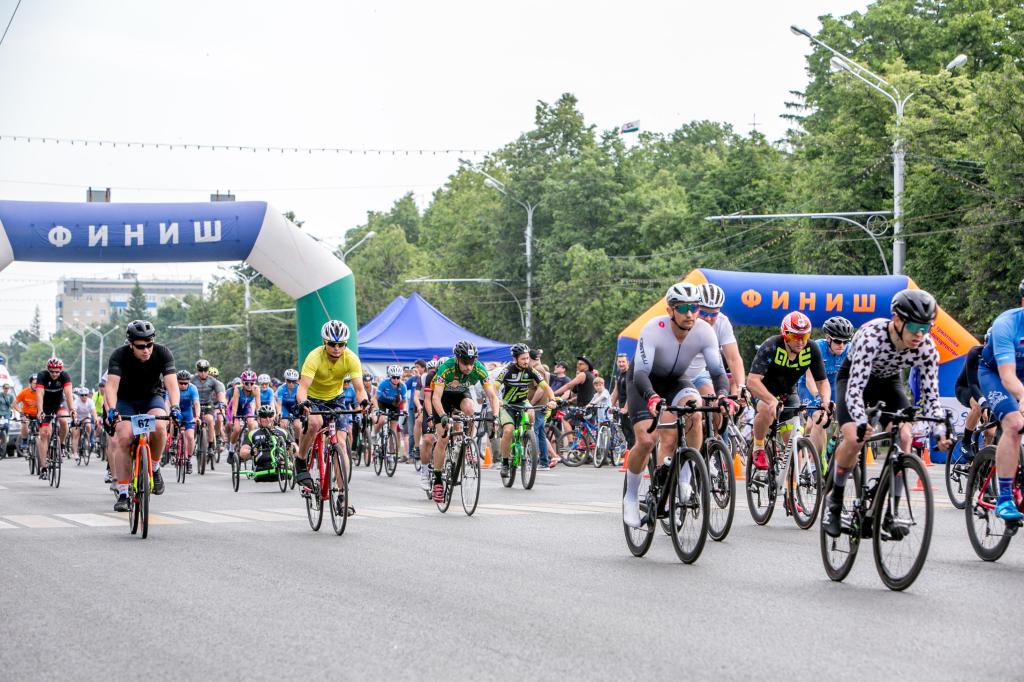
[[841, 62], [529, 208], [248, 336], [369, 235]]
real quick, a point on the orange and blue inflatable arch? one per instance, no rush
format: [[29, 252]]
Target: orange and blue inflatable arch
[[762, 299]]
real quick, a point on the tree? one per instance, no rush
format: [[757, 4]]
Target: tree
[[137, 308]]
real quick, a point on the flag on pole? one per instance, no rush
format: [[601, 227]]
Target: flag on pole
[[630, 127]]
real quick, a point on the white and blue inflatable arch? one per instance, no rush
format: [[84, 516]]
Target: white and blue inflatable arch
[[249, 231]]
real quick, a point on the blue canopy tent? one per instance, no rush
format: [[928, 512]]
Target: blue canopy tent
[[418, 330], [372, 328]]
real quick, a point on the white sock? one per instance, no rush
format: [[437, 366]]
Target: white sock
[[684, 474], [632, 484], [122, 488], [155, 465]]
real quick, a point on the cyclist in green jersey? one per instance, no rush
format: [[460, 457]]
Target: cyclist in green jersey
[[517, 380]]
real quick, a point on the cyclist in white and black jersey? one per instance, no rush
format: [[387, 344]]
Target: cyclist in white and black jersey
[[665, 349], [712, 298], [872, 372]]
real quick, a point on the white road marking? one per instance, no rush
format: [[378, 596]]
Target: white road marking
[[38, 521], [257, 515], [206, 517], [92, 519]]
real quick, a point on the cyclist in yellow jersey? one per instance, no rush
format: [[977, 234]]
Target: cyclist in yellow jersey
[[320, 382]]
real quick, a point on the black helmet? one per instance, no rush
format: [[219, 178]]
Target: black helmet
[[140, 329], [202, 365], [183, 375], [464, 350], [914, 305], [265, 411], [518, 349], [838, 328]]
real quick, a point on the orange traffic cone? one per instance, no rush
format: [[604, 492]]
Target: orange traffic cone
[[487, 458], [869, 456], [737, 467], [926, 456], [625, 458]]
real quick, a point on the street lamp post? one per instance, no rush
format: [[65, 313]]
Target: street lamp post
[[201, 327], [529, 208], [479, 280], [248, 335], [841, 62], [81, 333], [369, 235]]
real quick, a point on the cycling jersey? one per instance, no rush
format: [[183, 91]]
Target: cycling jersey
[[779, 373], [83, 410], [209, 390], [724, 333], [27, 399], [328, 377], [873, 355], [390, 393], [832, 364], [188, 397], [140, 381], [266, 396], [967, 385], [1005, 343], [98, 401], [246, 406], [287, 398], [515, 383], [661, 357], [53, 390], [348, 398], [450, 378]]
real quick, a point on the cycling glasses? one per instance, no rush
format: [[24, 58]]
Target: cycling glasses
[[248, 383], [336, 344], [142, 346], [919, 327], [684, 308], [796, 337], [839, 342], [710, 314]]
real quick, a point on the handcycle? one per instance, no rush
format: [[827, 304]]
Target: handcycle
[[278, 469], [882, 507], [385, 445], [330, 474], [461, 467], [523, 451], [990, 535], [679, 503]]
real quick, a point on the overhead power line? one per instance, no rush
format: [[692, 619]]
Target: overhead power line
[[9, 22]]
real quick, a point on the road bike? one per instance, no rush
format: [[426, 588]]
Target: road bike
[[179, 453], [329, 471], [362, 440], [990, 535], [461, 467], [721, 477], [55, 449], [86, 443], [523, 451], [958, 464], [385, 445], [883, 507], [140, 485], [204, 453]]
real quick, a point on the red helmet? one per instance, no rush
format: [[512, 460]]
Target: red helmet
[[796, 323], [55, 363]]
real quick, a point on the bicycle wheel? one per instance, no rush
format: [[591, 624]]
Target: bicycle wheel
[[721, 489], [838, 554], [988, 533], [803, 483], [391, 454], [447, 476], [604, 436], [283, 465], [639, 539], [902, 528], [134, 501], [338, 492], [236, 470], [202, 449], [569, 450], [86, 454], [529, 461], [688, 507], [31, 454], [515, 452], [761, 487], [469, 486], [958, 468], [54, 456], [314, 505], [378, 455]]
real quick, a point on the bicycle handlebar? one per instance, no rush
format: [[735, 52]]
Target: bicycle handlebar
[[689, 408]]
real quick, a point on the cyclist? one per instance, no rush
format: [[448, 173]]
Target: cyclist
[[242, 407], [53, 395], [517, 380], [833, 349], [137, 375], [267, 394], [25, 405], [968, 394], [190, 406], [712, 298], [391, 397], [427, 425], [211, 400], [264, 438], [286, 399], [221, 416], [664, 351], [881, 349], [101, 409], [320, 380], [780, 361], [85, 417], [450, 392]]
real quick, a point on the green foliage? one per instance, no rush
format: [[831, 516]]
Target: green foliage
[[136, 309]]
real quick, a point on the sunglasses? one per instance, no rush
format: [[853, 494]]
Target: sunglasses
[[839, 342], [708, 313], [248, 383], [336, 344], [796, 337], [919, 327], [183, 383], [143, 346], [684, 308]]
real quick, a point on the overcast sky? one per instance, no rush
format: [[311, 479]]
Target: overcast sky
[[391, 75]]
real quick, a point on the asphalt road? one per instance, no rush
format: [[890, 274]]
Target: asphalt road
[[538, 584]]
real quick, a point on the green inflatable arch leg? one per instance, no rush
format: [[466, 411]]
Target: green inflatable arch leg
[[336, 301]]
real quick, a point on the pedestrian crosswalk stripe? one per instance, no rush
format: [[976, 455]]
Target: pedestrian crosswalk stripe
[[38, 521], [530, 508], [154, 519], [205, 517], [92, 519], [297, 512], [383, 514], [5, 526], [257, 515]]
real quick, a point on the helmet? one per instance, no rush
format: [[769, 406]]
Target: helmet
[[55, 363], [263, 379], [81, 390], [235, 382], [265, 411], [103, 382], [202, 365], [367, 376], [214, 372], [838, 328], [184, 375], [465, 350], [248, 376], [431, 364], [394, 371], [683, 292], [795, 323], [914, 305], [33, 378], [711, 295], [519, 348], [139, 329], [334, 330], [291, 375]]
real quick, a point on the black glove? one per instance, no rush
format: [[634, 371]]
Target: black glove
[[303, 406], [176, 414], [364, 403], [862, 431]]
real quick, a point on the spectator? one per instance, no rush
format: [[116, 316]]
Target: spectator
[[558, 378], [601, 402], [538, 398], [619, 397]]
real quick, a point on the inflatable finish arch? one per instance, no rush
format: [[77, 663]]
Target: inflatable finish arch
[[250, 231], [760, 298]]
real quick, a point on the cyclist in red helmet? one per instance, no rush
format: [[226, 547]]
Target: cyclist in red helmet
[[53, 395]]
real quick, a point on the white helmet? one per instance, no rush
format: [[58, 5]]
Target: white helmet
[[394, 371], [81, 390], [334, 330], [711, 295], [263, 379], [291, 375], [683, 292]]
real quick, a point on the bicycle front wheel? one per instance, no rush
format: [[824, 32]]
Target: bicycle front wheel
[[530, 459], [568, 448], [391, 454], [903, 522], [447, 478], [988, 533], [202, 451], [378, 456], [314, 505], [236, 470], [957, 470], [838, 554], [804, 484], [688, 508], [639, 539], [339, 493], [722, 490], [761, 487], [470, 484], [604, 437]]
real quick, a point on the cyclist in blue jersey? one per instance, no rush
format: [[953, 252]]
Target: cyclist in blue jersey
[[834, 349], [242, 406], [286, 399], [189, 411], [391, 396], [267, 395], [1000, 371]]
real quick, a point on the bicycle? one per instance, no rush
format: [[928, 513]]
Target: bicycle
[[385, 447], [577, 446], [204, 453], [31, 449], [958, 467], [330, 475], [799, 463], [140, 485], [101, 443], [881, 508], [610, 444], [990, 535], [235, 459], [721, 477], [178, 453], [84, 443], [523, 451], [666, 496], [55, 450], [462, 464]]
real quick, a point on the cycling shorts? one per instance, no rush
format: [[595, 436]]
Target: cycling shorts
[[997, 398], [127, 408], [507, 417], [702, 381], [890, 390], [672, 389], [451, 401], [47, 418], [790, 406]]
